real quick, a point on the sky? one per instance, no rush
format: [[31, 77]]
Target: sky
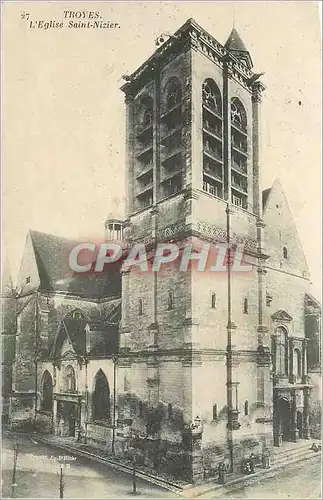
[[63, 114]]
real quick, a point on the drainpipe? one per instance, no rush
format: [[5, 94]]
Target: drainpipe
[[227, 71], [229, 346], [114, 358], [156, 189], [36, 330], [86, 400]]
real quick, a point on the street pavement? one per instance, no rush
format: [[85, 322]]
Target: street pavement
[[38, 469], [39, 465], [302, 480]]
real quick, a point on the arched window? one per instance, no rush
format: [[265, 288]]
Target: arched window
[[211, 95], [282, 351], [246, 408], [215, 412], [101, 397], [238, 114], [145, 111], [297, 365], [147, 117], [141, 409], [69, 379], [170, 300], [245, 306], [170, 412], [285, 253], [126, 383], [173, 94], [46, 392]]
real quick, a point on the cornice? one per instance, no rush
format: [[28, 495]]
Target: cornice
[[189, 36]]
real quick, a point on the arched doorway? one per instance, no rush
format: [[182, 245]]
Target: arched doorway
[[284, 415], [67, 408], [46, 392]]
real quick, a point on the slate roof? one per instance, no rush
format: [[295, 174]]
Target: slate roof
[[234, 42], [52, 257], [265, 195]]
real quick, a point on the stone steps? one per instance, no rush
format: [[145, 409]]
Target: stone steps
[[299, 452]]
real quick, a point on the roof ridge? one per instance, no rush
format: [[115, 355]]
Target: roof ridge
[[34, 232]]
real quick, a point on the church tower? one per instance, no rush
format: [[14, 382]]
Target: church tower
[[193, 344]]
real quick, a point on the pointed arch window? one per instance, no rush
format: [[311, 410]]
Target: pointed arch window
[[285, 253], [101, 397], [46, 392], [246, 407]]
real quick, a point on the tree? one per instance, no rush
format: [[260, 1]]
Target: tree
[[16, 450], [61, 483]]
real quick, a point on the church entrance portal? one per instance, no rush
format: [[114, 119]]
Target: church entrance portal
[[284, 412], [282, 421], [67, 417]]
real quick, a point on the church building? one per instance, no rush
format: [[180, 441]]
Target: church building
[[184, 369]]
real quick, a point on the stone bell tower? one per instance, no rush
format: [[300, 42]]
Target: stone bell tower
[[193, 343]]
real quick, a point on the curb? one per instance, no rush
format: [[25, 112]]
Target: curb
[[246, 480]]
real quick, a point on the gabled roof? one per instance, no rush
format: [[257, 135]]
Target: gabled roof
[[281, 230], [281, 315], [52, 258], [311, 300], [234, 42], [265, 195], [73, 329]]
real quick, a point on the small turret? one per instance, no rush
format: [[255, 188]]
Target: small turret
[[113, 229], [235, 45]]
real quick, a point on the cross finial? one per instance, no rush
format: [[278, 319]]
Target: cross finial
[[233, 16]]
